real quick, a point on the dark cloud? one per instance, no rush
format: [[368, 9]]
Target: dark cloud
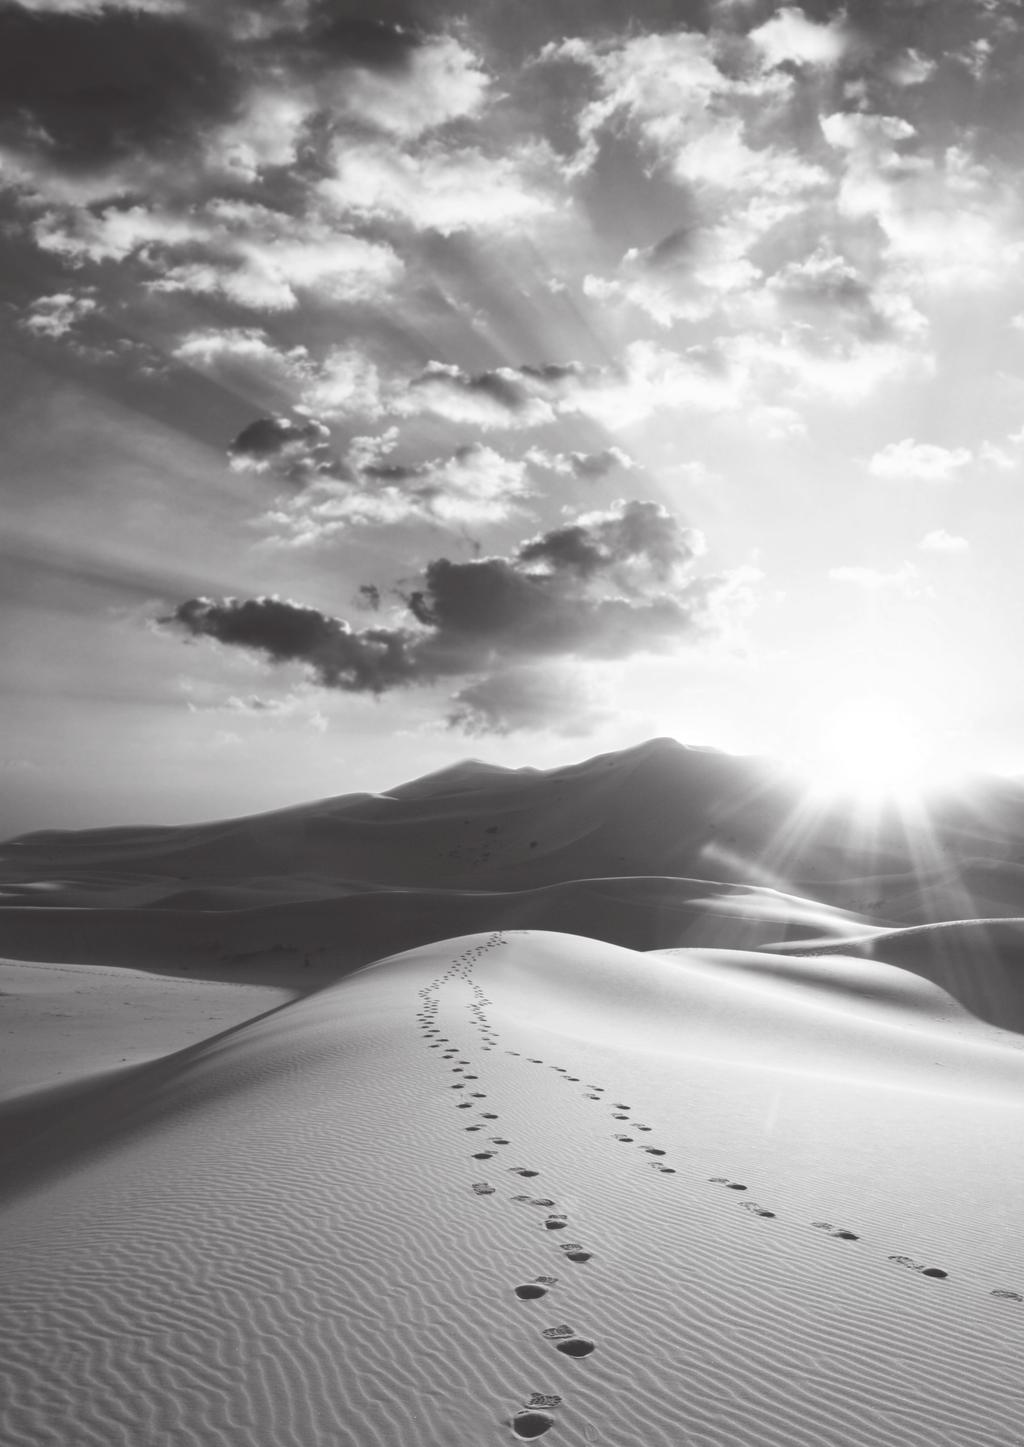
[[639, 531], [608, 587], [599, 464], [501, 388], [296, 449], [85, 91], [336, 36], [370, 661]]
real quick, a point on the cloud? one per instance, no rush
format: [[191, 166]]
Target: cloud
[[370, 660], [555, 700], [947, 218], [55, 316], [503, 397], [246, 356], [607, 586], [587, 465], [648, 378], [694, 119], [918, 461], [941, 541], [616, 543], [442, 80], [250, 254], [790, 38], [344, 383], [86, 92], [911, 68], [440, 187], [297, 449], [693, 270], [904, 579], [472, 485]]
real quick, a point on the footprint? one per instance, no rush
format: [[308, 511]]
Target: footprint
[[544, 1399], [652, 1150], [532, 1424], [1007, 1295], [523, 1171], [838, 1231], [573, 1078], [908, 1261], [463, 1105], [556, 1223], [623, 1137], [620, 1117], [729, 1185], [497, 1140], [578, 1256], [638, 1126], [557, 1333], [542, 1201], [531, 1291], [576, 1346], [488, 1115], [482, 1155], [483, 1188], [472, 1127], [756, 1210]]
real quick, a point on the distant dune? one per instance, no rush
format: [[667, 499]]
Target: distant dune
[[631, 1102]]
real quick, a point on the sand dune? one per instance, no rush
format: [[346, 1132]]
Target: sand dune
[[979, 961], [521, 1168], [629, 1102]]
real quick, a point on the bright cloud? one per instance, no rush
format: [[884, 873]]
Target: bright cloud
[[438, 187], [912, 461], [55, 316], [941, 541], [442, 81], [789, 36]]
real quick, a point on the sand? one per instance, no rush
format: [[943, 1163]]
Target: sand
[[523, 1180]]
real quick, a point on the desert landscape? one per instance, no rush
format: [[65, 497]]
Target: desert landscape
[[640, 1100]]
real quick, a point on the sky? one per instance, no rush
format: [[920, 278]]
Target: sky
[[386, 384]]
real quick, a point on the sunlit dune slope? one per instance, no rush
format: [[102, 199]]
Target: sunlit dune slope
[[371, 1216]]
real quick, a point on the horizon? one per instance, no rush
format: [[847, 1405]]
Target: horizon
[[387, 385], [860, 813]]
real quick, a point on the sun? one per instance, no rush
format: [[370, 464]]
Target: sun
[[872, 749]]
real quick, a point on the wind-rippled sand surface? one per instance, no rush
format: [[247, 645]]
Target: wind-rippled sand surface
[[744, 1199]]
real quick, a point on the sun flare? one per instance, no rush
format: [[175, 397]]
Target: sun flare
[[871, 748]]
